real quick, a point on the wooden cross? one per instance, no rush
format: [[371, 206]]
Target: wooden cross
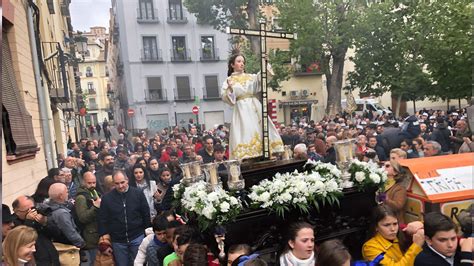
[[263, 34]]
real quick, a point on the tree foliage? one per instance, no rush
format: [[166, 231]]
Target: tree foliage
[[414, 49], [325, 31], [228, 13]]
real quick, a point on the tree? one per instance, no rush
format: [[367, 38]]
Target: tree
[[448, 49], [388, 55], [325, 31], [414, 49], [223, 13]]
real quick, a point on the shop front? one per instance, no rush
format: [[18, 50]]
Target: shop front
[[296, 111]]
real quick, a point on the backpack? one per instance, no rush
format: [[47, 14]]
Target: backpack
[[81, 226]]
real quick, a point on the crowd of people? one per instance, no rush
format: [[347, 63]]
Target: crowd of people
[[110, 201]]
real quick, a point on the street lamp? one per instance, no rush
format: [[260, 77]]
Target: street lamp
[[81, 44]]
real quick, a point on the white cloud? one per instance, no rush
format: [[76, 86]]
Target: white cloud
[[89, 13]]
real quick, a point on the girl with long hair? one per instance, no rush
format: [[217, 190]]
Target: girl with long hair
[[141, 180], [386, 239]]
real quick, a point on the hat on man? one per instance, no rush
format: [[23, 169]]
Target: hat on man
[[432, 117], [425, 114], [7, 216], [454, 114]]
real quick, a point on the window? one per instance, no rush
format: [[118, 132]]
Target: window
[[212, 86], [90, 88], [145, 10], [16, 121], [176, 10], [92, 104], [183, 89], [89, 71], [208, 48], [155, 91], [179, 52], [150, 49]]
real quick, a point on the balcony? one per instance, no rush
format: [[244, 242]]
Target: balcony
[[183, 95], [89, 74], [303, 70], [180, 54], [154, 96], [147, 15], [211, 94], [92, 91], [176, 17], [209, 54], [151, 56], [56, 72]]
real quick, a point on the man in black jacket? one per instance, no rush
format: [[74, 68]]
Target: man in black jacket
[[27, 214], [124, 214], [442, 135], [441, 245]]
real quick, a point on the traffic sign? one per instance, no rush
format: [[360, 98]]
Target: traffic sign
[[195, 109], [131, 112]]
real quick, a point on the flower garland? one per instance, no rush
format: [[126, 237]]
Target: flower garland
[[365, 175], [211, 208], [297, 190]]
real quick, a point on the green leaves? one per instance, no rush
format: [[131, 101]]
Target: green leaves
[[415, 49]]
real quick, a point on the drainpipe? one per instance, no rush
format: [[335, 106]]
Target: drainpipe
[[45, 115]]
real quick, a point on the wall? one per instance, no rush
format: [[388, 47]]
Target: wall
[[22, 177]]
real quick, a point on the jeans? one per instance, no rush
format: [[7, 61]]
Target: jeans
[[125, 253]]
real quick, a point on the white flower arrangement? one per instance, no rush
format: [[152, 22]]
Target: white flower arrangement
[[367, 174], [326, 170], [216, 207], [295, 190]]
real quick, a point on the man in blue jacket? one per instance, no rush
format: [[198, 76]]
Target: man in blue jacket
[[124, 214]]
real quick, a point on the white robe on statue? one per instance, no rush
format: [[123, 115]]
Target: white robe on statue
[[246, 128]]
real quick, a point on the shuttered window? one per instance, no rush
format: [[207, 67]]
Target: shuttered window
[[184, 90], [212, 87], [21, 139]]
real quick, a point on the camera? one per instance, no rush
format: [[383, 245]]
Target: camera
[[43, 209], [370, 154]]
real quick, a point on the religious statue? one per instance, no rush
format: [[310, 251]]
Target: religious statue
[[240, 90]]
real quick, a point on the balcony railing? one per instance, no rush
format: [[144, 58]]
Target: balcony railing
[[303, 70], [89, 74], [209, 54], [57, 72], [176, 17], [144, 15], [211, 93], [151, 56], [156, 95], [180, 55], [183, 94], [92, 91]]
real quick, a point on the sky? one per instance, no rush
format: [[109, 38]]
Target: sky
[[89, 13]]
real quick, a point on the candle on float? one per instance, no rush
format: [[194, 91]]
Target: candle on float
[[187, 172], [197, 169], [234, 173], [213, 175]]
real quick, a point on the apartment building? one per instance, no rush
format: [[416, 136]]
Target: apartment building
[[162, 64], [94, 75]]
